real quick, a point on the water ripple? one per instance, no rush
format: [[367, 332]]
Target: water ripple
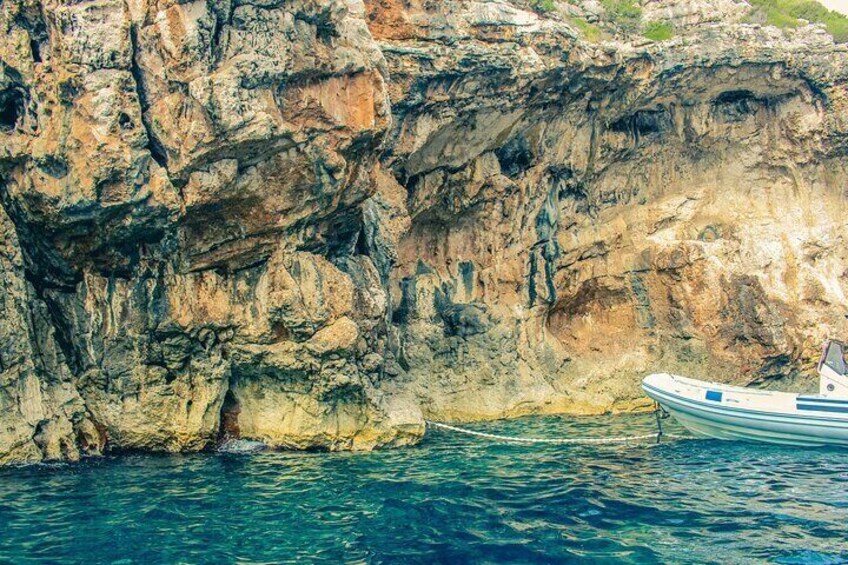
[[453, 499]]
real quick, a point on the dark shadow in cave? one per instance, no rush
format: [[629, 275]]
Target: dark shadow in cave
[[11, 109], [229, 426]]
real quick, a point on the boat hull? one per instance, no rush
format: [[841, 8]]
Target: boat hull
[[733, 413]]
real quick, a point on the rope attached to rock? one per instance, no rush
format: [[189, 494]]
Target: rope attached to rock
[[556, 441]]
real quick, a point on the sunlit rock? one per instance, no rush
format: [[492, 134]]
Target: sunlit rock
[[313, 223]]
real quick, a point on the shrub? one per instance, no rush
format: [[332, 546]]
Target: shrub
[[625, 13], [787, 13], [544, 6], [658, 31], [590, 32]]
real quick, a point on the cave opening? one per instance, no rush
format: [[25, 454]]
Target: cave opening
[[36, 50], [124, 121], [735, 105], [11, 109], [644, 122], [734, 96], [229, 426], [515, 157], [362, 243]]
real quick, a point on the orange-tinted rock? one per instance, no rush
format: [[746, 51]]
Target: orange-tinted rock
[[311, 223]]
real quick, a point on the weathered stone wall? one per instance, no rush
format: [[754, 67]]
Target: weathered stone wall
[[313, 223], [583, 214], [185, 183]]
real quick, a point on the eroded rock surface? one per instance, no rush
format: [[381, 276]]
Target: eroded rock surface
[[313, 223], [584, 213], [184, 185]]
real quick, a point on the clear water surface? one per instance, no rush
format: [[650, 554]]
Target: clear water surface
[[453, 499]]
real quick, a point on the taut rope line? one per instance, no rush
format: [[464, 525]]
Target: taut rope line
[[556, 441]]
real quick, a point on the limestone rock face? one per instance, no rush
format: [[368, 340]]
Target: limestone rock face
[[315, 222], [583, 214], [182, 187]]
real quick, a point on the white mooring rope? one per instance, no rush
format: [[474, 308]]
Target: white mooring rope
[[558, 441]]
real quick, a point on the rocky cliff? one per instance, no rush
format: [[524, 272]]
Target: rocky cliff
[[316, 222]]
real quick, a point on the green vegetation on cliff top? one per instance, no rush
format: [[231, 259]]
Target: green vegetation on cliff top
[[626, 13], [788, 13]]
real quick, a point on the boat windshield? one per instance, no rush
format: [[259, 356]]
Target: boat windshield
[[834, 357]]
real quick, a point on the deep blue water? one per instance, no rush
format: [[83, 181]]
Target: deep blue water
[[453, 499]]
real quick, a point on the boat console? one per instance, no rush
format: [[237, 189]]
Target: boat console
[[833, 370]]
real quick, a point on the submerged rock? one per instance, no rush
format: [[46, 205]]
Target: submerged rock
[[313, 223], [241, 446]]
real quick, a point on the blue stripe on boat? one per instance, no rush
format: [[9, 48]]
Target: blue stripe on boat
[[822, 421], [824, 400], [714, 395], [818, 408]]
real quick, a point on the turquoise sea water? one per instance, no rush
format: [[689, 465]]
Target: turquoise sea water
[[453, 499]]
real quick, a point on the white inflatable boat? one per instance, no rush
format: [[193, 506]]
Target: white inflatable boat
[[731, 412]]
